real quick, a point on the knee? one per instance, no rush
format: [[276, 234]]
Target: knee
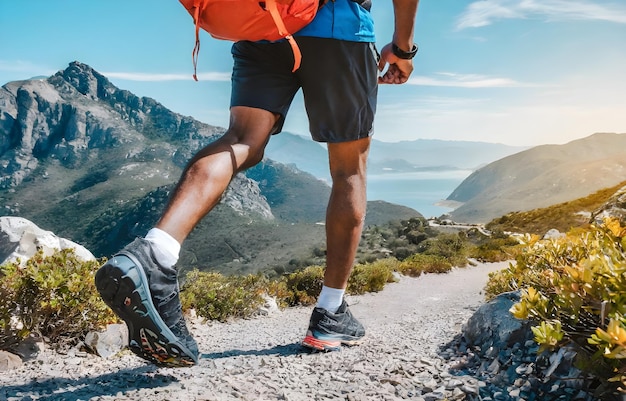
[[348, 202], [249, 150], [350, 216], [356, 217]]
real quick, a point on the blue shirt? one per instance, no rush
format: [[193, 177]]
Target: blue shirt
[[341, 19]]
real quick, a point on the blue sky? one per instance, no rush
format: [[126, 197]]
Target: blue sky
[[524, 72]]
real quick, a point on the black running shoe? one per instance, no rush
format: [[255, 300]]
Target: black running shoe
[[146, 296], [328, 331]]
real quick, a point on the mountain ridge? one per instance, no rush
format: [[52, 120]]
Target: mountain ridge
[[541, 176], [391, 157]]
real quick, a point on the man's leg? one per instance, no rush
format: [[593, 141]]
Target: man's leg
[[346, 209], [331, 323], [140, 283], [208, 174]]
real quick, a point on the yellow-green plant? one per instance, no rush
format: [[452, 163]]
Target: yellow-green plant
[[304, 286], [420, 263], [218, 297], [496, 249], [575, 288], [453, 247], [371, 277], [53, 296], [548, 334]]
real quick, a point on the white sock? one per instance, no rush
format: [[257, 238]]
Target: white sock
[[169, 248], [330, 298]]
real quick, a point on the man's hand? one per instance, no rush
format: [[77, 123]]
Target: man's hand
[[399, 69]]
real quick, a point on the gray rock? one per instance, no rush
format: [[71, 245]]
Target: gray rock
[[493, 324], [21, 239], [9, 361], [615, 207], [553, 234], [29, 348], [108, 342], [269, 307]]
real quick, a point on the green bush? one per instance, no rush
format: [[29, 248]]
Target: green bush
[[420, 263], [371, 277], [496, 249], [304, 286], [53, 296], [217, 297], [9, 335], [453, 247], [575, 289]]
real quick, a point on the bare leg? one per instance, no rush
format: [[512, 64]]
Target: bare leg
[[346, 209], [209, 172]]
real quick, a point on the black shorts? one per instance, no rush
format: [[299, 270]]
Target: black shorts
[[339, 81]]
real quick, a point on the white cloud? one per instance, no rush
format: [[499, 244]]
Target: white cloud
[[466, 81], [24, 67], [150, 77], [485, 12]]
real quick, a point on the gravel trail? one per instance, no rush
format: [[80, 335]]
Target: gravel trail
[[261, 359]]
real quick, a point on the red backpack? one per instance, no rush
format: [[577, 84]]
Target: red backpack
[[251, 20]]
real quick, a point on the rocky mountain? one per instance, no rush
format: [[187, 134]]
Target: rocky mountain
[[95, 163], [541, 176]]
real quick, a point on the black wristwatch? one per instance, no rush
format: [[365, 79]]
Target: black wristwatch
[[402, 54]]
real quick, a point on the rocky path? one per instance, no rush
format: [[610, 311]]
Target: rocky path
[[260, 359]]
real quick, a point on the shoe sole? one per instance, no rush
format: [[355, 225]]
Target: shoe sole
[[124, 287], [328, 345]]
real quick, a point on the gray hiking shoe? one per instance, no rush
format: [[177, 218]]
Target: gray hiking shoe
[[146, 296], [328, 331]]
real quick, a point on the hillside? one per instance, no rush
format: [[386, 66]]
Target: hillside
[[562, 217], [540, 177], [95, 163]]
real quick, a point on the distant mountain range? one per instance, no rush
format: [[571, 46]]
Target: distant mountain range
[[391, 157], [540, 177]]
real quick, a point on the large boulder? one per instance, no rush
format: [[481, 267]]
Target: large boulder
[[21, 239], [493, 325]]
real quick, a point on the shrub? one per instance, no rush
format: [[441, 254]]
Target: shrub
[[217, 297], [304, 286], [531, 268], [402, 252], [9, 335], [53, 296], [371, 277], [575, 289], [452, 247], [420, 263], [496, 249]]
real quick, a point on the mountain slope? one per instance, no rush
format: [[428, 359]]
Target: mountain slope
[[562, 217], [541, 176]]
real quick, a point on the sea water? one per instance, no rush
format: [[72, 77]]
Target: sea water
[[418, 190]]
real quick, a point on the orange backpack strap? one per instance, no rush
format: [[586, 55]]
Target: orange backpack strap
[[198, 7], [270, 6]]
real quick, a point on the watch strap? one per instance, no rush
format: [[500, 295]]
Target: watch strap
[[402, 54]]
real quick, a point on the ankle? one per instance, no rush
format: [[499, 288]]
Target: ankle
[[166, 248], [330, 298]]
